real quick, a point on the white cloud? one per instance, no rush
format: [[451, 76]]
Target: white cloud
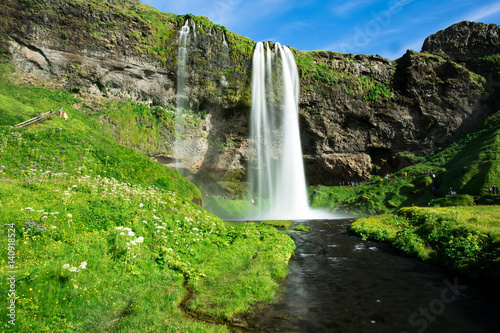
[[483, 12], [348, 7]]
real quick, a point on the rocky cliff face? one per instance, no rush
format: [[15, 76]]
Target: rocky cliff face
[[356, 111], [464, 41]]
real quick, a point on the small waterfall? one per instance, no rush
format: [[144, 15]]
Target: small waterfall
[[181, 97], [276, 170], [193, 28], [224, 42]]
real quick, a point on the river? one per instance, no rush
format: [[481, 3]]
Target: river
[[339, 283]]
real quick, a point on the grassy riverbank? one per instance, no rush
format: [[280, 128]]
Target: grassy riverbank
[[465, 239], [106, 239]]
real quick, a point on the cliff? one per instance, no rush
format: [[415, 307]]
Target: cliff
[[357, 112]]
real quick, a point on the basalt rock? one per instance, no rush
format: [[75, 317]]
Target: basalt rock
[[356, 111], [464, 41]]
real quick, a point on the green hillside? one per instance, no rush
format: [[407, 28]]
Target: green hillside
[[469, 166], [111, 240]]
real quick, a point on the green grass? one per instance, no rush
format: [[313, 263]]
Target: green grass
[[229, 209], [301, 227], [278, 223], [469, 166], [472, 163], [465, 239], [68, 189], [319, 72]]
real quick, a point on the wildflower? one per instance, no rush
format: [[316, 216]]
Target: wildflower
[[160, 227], [53, 227], [28, 208], [170, 249], [66, 266], [74, 186], [139, 239], [74, 269], [195, 229], [69, 215], [141, 205], [122, 233], [119, 228], [145, 222], [131, 233], [127, 229], [83, 265]]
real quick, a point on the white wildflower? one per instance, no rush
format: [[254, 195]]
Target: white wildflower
[[66, 266], [74, 269], [83, 265], [131, 233], [139, 239], [119, 228], [69, 215]]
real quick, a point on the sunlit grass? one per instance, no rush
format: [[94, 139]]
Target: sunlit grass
[[106, 239], [466, 239]]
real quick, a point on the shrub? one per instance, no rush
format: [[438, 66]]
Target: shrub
[[453, 201]]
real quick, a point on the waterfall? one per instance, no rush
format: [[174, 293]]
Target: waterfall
[[181, 97], [276, 170]]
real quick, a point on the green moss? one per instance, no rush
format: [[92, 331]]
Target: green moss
[[465, 239], [278, 223], [318, 73], [301, 227], [453, 200]]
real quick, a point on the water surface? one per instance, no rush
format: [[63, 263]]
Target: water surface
[[339, 283]]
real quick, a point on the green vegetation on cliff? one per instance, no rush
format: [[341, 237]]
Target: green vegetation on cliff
[[319, 72], [106, 239]]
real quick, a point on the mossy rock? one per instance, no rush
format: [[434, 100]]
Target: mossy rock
[[301, 227]]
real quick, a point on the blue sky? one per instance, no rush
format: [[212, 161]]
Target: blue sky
[[384, 27]]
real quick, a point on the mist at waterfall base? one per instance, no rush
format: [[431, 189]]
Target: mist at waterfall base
[[277, 184]]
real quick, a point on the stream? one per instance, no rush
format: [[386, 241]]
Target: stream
[[339, 283]]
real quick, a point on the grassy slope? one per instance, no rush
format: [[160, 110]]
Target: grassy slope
[[466, 239], [65, 186], [469, 166]]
